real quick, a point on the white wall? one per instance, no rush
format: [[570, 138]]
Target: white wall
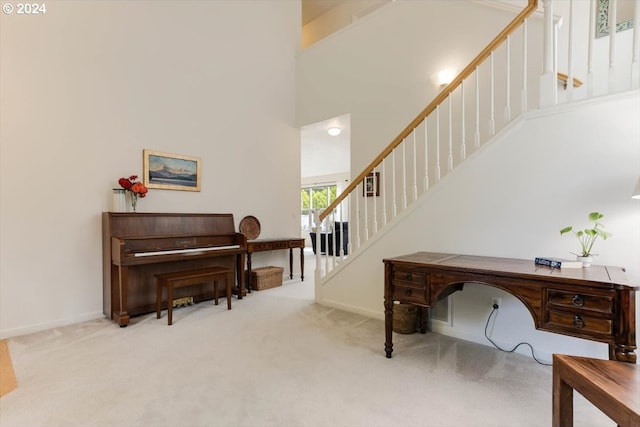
[[510, 200], [380, 69], [88, 86]]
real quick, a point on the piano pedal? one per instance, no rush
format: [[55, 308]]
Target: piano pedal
[[182, 302]]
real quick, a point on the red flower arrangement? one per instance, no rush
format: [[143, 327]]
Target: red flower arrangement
[[134, 187]]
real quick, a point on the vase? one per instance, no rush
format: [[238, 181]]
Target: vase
[[119, 201], [134, 201], [586, 260]]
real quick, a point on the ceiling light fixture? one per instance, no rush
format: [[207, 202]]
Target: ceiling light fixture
[[445, 77], [334, 131]]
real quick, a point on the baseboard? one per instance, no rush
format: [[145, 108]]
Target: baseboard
[[352, 309], [9, 333], [443, 328]]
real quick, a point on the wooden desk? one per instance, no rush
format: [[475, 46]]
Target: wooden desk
[[596, 303], [613, 387], [261, 245]]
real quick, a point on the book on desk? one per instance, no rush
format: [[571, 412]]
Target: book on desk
[[557, 262]]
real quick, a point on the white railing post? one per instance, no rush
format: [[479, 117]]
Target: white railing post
[[635, 64], [592, 35], [525, 52], [570, 50], [613, 17], [426, 155], [463, 122], [507, 107], [384, 193], [438, 143], [476, 135], [548, 82]]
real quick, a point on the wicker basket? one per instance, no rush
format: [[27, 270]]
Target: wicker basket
[[405, 318], [266, 278]]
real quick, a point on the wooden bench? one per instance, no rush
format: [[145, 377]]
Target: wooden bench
[[179, 279], [613, 387]]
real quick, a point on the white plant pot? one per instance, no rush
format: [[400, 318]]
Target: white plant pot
[[586, 260]]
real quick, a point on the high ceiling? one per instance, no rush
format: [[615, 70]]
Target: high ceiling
[[311, 9]]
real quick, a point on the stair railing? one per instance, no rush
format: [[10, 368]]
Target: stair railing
[[438, 139]]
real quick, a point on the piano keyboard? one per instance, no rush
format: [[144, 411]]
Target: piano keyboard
[[192, 251]]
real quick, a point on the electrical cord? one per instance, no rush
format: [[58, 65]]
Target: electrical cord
[[486, 326]]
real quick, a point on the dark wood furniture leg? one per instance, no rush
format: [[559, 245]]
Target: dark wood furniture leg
[[290, 263], [248, 275], [302, 264]]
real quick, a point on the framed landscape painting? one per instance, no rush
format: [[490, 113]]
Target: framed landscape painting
[[171, 171]]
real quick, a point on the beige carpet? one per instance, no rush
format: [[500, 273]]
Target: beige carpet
[[7, 376], [275, 359]]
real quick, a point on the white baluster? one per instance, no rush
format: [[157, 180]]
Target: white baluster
[[463, 144], [635, 64], [376, 192], [426, 155], [592, 31], [358, 239], [349, 227], [415, 168], [404, 174], [394, 207], [476, 137], [507, 107], [438, 143], [525, 52], [548, 80], [492, 122], [366, 209], [613, 16], [384, 192], [450, 157], [570, 48]]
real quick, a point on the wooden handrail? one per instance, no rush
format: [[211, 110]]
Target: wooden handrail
[[532, 6]]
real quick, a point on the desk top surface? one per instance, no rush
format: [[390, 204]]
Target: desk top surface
[[618, 381], [607, 276]]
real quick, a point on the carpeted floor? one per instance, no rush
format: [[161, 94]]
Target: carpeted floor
[[275, 359]]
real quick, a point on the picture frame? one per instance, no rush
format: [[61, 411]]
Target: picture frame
[[371, 185], [168, 171]]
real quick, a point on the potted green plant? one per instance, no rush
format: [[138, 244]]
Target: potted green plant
[[588, 237]]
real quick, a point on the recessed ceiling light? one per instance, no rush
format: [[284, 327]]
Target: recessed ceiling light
[[334, 131]]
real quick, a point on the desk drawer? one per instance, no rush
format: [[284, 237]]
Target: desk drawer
[[410, 294], [580, 324], [409, 278], [261, 246], [280, 245], [581, 301]]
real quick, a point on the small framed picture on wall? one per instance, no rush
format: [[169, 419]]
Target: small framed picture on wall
[[371, 185]]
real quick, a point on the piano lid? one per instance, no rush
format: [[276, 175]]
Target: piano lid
[[148, 225]]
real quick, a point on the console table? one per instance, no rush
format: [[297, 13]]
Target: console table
[[595, 303], [261, 245]]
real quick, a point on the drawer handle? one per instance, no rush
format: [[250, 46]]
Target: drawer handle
[[578, 301], [408, 276], [407, 292], [578, 322]]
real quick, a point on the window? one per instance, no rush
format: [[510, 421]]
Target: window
[[315, 199]]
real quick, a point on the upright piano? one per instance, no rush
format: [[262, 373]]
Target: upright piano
[[137, 246]]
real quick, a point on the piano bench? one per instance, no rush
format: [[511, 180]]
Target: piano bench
[[179, 279]]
